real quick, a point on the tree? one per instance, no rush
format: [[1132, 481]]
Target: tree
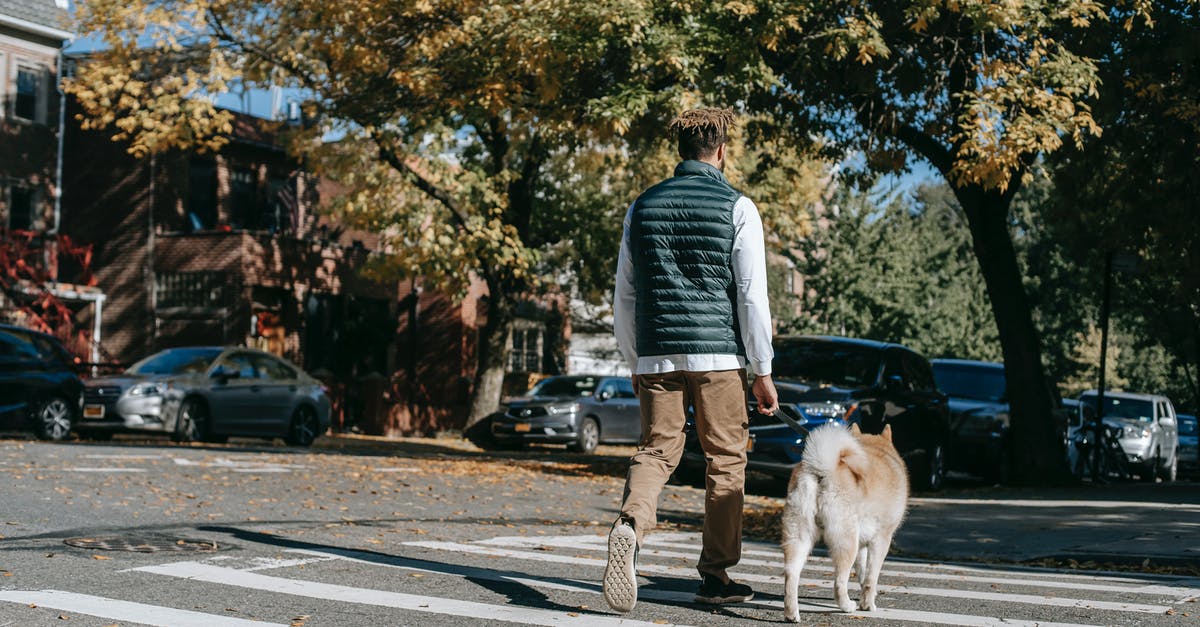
[[897, 269], [480, 138], [449, 112], [1134, 189], [979, 90]]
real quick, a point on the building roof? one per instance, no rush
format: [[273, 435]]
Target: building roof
[[49, 15]]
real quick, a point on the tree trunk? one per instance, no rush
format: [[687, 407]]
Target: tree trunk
[[1034, 446], [492, 356]]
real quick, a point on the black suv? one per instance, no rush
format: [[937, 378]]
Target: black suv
[[822, 379], [38, 385]]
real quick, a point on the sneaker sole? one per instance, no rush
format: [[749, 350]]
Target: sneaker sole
[[620, 578], [723, 600]]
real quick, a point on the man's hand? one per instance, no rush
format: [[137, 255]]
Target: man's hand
[[764, 392]]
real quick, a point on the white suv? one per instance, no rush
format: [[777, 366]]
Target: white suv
[[1149, 430]]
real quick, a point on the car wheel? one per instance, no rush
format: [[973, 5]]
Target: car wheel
[[931, 472], [588, 438], [53, 420], [304, 428], [192, 423], [1171, 471]]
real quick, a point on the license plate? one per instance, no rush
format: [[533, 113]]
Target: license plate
[[93, 411], [521, 427]]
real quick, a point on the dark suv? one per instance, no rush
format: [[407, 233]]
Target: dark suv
[[873, 384], [38, 385]]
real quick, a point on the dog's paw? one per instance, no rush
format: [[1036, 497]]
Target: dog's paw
[[845, 605], [792, 617], [866, 606]]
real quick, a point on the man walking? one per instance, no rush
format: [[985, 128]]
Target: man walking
[[691, 315]]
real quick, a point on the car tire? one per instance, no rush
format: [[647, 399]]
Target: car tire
[[1171, 472], [191, 425], [304, 427], [930, 473], [588, 437], [53, 419]]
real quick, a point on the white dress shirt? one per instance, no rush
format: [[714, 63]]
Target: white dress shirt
[[752, 310]]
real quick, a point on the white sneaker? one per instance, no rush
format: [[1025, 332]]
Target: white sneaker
[[620, 576]]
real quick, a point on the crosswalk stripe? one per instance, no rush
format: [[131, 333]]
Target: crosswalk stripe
[[116, 609], [1028, 599], [588, 544], [383, 598], [592, 587]]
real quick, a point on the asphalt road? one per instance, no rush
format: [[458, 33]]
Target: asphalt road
[[145, 532]]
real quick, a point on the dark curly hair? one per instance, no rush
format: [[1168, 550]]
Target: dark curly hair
[[701, 131]]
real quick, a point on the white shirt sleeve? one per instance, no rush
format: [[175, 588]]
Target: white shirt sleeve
[[750, 275], [625, 300]]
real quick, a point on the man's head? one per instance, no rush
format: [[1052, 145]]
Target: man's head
[[702, 134]]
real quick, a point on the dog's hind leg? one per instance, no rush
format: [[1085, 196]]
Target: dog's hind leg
[[843, 549], [876, 552], [860, 566], [799, 535]]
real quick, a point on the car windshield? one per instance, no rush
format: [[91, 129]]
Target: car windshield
[[565, 386], [1187, 424], [176, 361], [826, 363], [1127, 408], [976, 382]]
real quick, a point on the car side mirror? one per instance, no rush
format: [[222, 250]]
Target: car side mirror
[[893, 382], [1166, 420], [603, 395]]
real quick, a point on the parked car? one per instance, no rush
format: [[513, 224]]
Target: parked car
[[39, 389], [872, 384], [1149, 432], [1189, 452], [207, 394], [581, 411]]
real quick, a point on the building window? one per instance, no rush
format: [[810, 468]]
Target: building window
[[243, 199], [281, 200], [202, 195], [526, 349], [191, 290], [25, 104], [21, 203]]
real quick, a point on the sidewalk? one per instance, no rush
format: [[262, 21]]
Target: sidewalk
[[1126, 524]]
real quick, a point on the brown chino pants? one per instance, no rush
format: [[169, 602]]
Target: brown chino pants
[[719, 401]]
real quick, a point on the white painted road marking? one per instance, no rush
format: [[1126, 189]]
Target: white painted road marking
[[1028, 599], [592, 587], [116, 609], [382, 598], [596, 543]]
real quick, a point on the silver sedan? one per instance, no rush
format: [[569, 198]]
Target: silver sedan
[[208, 394]]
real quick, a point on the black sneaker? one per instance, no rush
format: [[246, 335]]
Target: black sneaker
[[620, 576], [716, 592]]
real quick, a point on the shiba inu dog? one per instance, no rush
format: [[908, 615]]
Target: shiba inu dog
[[851, 490]]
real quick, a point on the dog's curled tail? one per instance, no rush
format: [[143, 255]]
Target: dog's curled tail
[[832, 447]]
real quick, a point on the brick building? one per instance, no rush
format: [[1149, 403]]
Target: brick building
[[31, 40], [229, 248]]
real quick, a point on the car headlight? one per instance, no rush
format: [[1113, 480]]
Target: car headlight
[[555, 410], [1136, 432], [827, 411], [148, 389]]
